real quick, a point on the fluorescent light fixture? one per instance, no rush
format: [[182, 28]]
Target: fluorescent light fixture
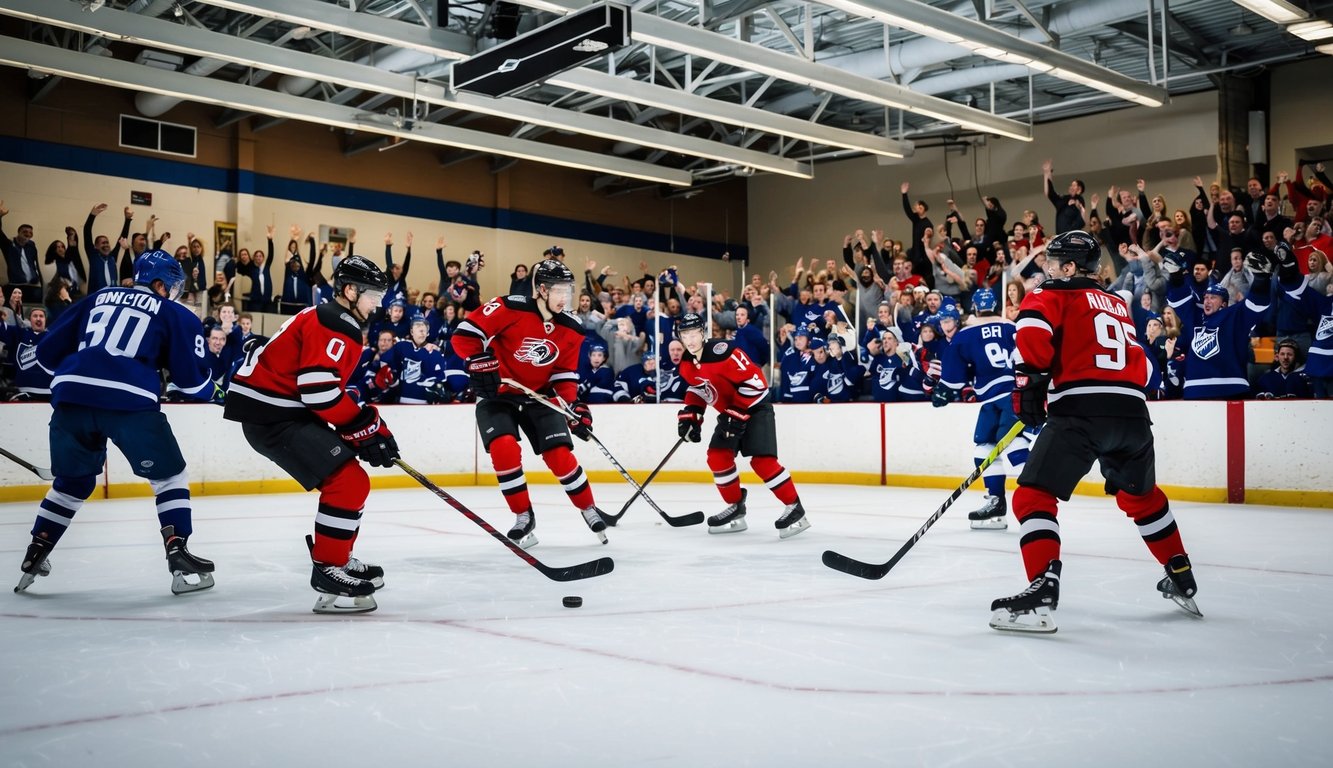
[[939, 24], [1326, 49], [1276, 11], [1312, 30]]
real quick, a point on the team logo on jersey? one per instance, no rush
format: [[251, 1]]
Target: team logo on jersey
[[1325, 328], [798, 378], [835, 383], [1205, 343], [538, 352], [412, 371], [27, 356], [550, 327], [885, 378], [705, 390], [719, 347]]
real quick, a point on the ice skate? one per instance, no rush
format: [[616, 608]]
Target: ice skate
[[1033, 609], [182, 564], [990, 517], [34, 563], [372, 573], [521, 534], [792, 521], [731, 519], [333, 582], [593, 517], [1178, 584]]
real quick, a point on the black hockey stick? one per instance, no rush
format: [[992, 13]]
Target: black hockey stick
[[877, 570], [41, 472], [613, 519], [693, 518], [598, 567]]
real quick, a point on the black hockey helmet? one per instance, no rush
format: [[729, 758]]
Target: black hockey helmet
[[361, 272], [689, 321], [551, 272], [1078, 247]]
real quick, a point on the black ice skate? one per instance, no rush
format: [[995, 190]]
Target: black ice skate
[[792, 521], [521, 534], [372, 573], [181, 564], [1033, 609], [333, 582], [731, 519], [34, 563], [1178, 585], [990, 517], [593, 517]]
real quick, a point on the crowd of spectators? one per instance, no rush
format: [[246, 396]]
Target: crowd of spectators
[[869, 326]]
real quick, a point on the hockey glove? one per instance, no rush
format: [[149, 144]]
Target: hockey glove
[[690, 422], [731, 424], [1173, 264], [1029, 395], [942, 396], [219, 396], [385, 378], [1287, 270], [1258, 263], [483, 370], [581, 423], [370, 437]]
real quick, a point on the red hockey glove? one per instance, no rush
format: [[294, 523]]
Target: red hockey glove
[[483, 370], [581, 423], [1029, 396], [690, 422], [370, 437], [731, 424], [385, 378]]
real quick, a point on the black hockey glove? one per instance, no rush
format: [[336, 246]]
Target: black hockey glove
[[690, 422], [1259, 263], [1287, 271], [370, 437], [941, 396], [1029, 395], [483, 370], [581, 423], [731, 424]]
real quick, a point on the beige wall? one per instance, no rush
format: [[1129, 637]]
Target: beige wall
[[1302, 115]]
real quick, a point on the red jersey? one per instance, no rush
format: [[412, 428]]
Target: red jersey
[[301, 370], [723, 377], [1084, 336], [532, 351]]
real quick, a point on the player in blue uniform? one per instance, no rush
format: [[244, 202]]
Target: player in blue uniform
[[982, 355], [638, 382], [1217, 337], [1318, 307], [797, 369], [104, 355], [33, 381], [415, 366], [597, 383]]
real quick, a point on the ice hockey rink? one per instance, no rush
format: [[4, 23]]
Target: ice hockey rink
[[697, 650]]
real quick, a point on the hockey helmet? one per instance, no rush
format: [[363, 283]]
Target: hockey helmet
[[817, 342], [1078, 247], [1216, 289], [690, 321], [551, 272], [152, 266], [983, 300], [362, 273]]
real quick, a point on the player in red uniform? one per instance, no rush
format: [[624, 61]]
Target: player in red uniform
[[721, 375], [535, 342], [1077, 339], [286, 395]]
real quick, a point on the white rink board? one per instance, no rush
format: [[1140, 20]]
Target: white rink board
[[1288, 447]]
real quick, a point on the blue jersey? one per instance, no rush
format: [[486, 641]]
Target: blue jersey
[[21, 343], [797, 373], [106, 351], [674, 386], [635, 382], [1319, 307], [417, 369], [983, 356], [1218, 345], [597, 385]]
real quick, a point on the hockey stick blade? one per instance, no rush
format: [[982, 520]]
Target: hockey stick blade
[[41, 472], [616, 517], [598, 567], [878, 570], [682, 521]]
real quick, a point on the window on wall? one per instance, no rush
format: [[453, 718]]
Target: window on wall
[[157, 136]]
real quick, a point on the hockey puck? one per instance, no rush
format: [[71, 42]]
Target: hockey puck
[[572, 601]]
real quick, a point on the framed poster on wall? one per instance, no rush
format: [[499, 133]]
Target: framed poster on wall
[[224, 232]]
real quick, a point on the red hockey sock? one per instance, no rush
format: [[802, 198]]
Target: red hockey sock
[[1152, 513], [725, 474], [1035, 509], [507, 459], [567, 470], [341, 498], [775, 477]]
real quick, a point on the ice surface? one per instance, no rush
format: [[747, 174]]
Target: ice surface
[[697, 650]]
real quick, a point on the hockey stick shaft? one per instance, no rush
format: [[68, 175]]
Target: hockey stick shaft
[[653, 474], [848, 565], [598, 567], [694, 518], [41, 472]]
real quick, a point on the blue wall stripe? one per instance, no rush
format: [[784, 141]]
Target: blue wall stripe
[[232, 181]]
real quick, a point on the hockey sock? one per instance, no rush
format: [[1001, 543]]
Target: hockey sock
[[567, 470], [992, 476], [173, 503], [1040, 543], [1016, 455], [775, 477], [507, 459], [1152, 513], [56, 511], [341, 498], [725, 474]]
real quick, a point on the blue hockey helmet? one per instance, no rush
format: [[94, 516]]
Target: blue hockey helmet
[[1216, 289], [983, 300], [152, 266], [817, 342]]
